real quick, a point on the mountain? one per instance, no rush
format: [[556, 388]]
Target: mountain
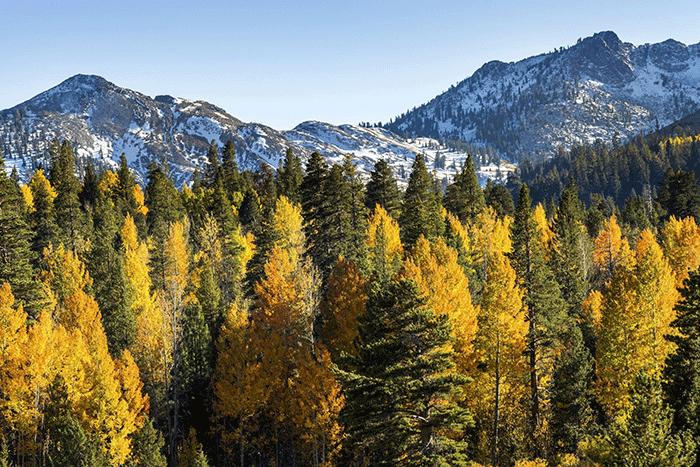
[[102, 121], [600, 88]]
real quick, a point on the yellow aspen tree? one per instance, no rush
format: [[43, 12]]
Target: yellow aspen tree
[[13, 339], [434, 267], [546, 233], [344, 302], [383, 243], [149, 326], [236, 383], [108, 183], [172, 300], [636, 312], [92, 380], [681, 238], [610, 248], [500, 375], [489, 237], [316, 405]]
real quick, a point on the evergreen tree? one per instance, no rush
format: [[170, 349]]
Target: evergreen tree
[[91, 186], [382, 189], [464, 197], [164, 208], [682, 372], [15, 254], [420, 212], [679, 195], [643, 437], [290, 176], [69, 216], [147, 447], [399, 401], [125, 197], [546, 315], [571, 250], [212, 171], [499, 198], [233, 183]]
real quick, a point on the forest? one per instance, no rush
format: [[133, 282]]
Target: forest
[[305, 317]]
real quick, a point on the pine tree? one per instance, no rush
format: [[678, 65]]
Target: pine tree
[[546, 316], [382, 189], [464, 197], [399, 401], [15, 254], [69, 216], [230, 174], [212, 171], [643, 436], [499, 198], [420, 212], [147, 447], [290, 176], [682, 371]]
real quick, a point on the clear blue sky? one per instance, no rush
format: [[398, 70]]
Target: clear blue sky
[[281, 63]]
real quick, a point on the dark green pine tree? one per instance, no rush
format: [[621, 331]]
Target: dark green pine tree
[[265, 185], [69, 215], [644, 436], [400, 408], [16, 256], [571, 244], [66, 441], [499, 198], [682, 371], [250, 214], [91, 186], [233, 182], [420, 212], [332, 228], [572, 402], [547, 316], [382, 189], [196, 368], [212, 171], [464, 197], [164, 208], [219, 204], [679, 195], [147, 447], [105, 262], [290, 176], [124, 198], [313, 198], [354, 248]]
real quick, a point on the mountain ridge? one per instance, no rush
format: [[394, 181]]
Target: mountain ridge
[[103, 120], [596, 89]]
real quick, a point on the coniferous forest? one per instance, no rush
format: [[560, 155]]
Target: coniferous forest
[[305, 317]]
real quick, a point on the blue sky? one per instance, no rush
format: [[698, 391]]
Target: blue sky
[[281, 63]]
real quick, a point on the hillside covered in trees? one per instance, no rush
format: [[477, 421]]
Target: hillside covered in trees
[[304, 317]]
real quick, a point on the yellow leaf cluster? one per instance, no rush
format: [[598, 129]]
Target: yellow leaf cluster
[[681, 239]]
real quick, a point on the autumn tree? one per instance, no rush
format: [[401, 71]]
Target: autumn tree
[[500, 371], [637, 311]]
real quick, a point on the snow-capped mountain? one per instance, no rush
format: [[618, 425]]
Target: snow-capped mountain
[[600, 88], [102, 121]]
